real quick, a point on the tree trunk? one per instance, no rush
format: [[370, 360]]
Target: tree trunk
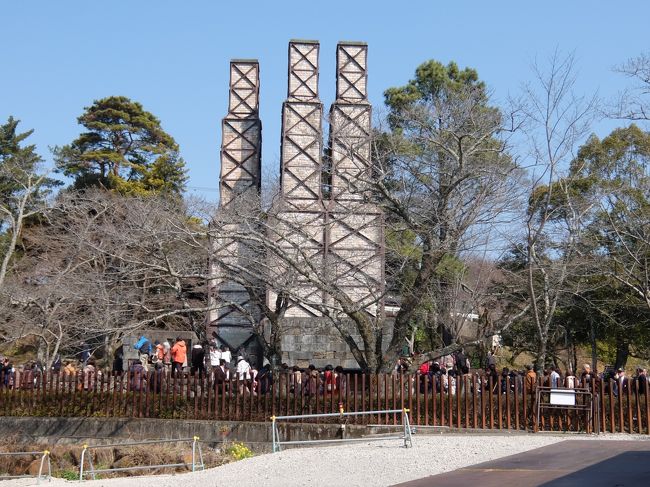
[[541, 353], [622, 349], [447, 337], [592, 342]]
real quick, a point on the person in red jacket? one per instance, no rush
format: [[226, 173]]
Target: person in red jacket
[[179, 355]]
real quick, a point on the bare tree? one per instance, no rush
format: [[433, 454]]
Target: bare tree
[[557, 122], [104, 265], [633, 103]]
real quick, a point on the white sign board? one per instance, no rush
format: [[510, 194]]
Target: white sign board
[[563, 397]]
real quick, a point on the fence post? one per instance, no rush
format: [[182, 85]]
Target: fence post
[[273, 435], [46, 454], [81, 462], [194, 440], [408, 441]]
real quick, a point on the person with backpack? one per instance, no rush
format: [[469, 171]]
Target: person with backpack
[[143, 346]]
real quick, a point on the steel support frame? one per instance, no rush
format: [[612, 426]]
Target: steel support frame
[[302, 169], [240, 175], [356, 233]]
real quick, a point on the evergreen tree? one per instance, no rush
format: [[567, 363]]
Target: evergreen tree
[[124, 149], [24, 188]]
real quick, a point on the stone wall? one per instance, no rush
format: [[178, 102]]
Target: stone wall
[[315, 341]]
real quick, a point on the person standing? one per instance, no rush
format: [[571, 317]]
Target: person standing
[[586, 375], [198, 360], [570, 379], [555, 378], [89, 376], [160, 352], [167, 356], [226, 354], [641, 380], [221, 373], [214, 357], [531, 379], [85, 354], [179, 355], [243, 373], [143, 346], [118, 360]]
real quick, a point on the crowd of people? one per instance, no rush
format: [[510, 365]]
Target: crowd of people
[[443, 375], [159, 362]]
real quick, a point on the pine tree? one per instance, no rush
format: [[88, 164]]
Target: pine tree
[[124, 149]]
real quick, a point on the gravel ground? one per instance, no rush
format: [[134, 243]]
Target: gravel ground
[[353, 464]]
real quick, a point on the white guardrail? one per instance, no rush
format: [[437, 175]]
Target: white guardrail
[[45, 457], [197, 454], [405, 436]]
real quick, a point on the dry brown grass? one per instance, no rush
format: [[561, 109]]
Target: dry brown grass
[[65, 458]]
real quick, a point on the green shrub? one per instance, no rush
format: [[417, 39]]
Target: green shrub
[[66, 474], [239, 451]]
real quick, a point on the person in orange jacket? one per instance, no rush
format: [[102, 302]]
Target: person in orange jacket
[[179, 355]]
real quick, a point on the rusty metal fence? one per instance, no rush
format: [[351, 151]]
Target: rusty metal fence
[[471, 401]]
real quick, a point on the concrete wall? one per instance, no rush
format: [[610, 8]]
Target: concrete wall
[[108, 430]]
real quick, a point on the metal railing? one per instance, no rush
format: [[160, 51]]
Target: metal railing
[[406, 435], [92, 471], [561, 400], [45, 456]]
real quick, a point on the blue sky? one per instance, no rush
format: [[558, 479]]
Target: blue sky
[[173, 56]]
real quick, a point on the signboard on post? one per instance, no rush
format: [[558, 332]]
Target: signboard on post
[[563, 397]]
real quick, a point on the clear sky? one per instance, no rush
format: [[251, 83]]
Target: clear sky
[[172, 56]]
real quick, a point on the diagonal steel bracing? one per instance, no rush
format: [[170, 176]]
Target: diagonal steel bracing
[[355, 239], [301, 173], [240, 174]]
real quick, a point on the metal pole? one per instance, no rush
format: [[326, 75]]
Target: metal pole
[[273, 438], [201, 456], [408, 441], [193, 450], [46, 453], [81, 463], [194, 440]]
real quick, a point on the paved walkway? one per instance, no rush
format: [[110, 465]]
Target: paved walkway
[[569, 463]]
